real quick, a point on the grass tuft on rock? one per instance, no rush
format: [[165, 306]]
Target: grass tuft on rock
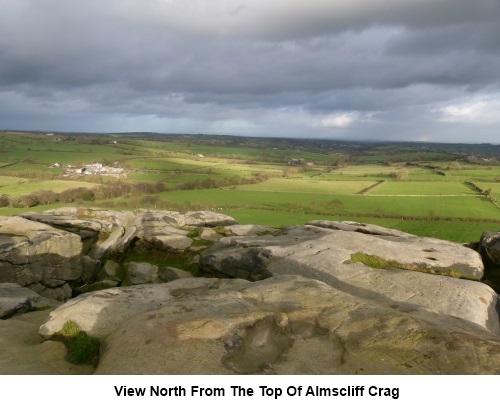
[[377, 262], [82, 348]]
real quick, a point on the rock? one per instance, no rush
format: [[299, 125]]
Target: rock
[[23, 351], [107, 219], [210, 235], [171, 273], [368, 229], [489, 245], [99, 313], [252, 230], [159, 241], [329, 255], [31, 252], [90, 268], [109, 270], [59, 292], [15, 300], [155, 232], [117, 231], [208, 218], [124, 243], [489, 248], [98, 285], [85, 228], [245, 263], [190, 218], [102, 249], [287, 325], [141, 273]]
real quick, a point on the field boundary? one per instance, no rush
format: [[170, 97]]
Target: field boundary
[[372, 187], [484, 193]]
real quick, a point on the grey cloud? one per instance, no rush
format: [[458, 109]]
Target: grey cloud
[[249, 62]]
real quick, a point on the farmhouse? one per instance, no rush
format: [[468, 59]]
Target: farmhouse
[[97, 169]]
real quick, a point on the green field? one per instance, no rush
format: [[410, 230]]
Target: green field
[[10, 180], [456, 231], [426, 188], [264, 181], [494, 187], [283, 185], [436, 206], [56, 186]]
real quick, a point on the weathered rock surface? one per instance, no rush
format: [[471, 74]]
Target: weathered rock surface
[[251, 230], [282, 325], [142, 273], [98, 285], [327, 298], [210, 235], [171, 273], [31, 252], [84, 227], [489, 248], [99, 313], [15, 300], [119, 230], [59, 250], [23, 350], [110, 269], [350, 226], [56, 290], [327, 255]]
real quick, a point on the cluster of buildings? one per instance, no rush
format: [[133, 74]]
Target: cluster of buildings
[[94, 168]]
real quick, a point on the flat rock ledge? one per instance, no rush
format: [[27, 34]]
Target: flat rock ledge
[[376, 265], [281, 325]]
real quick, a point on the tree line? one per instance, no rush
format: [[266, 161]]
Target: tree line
[[121, 189]]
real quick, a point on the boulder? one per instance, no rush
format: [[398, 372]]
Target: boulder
[[163, 241], [109, 270], [104, 247], [15, 300], [99, 313], [208, 218], [281, 325], [90, 268], [58, 290], [97, 286], [31, 252], [190, 218], [210, 235], [252, 230], [489, 248], [368, 229], [107, 219], [171, 273], [84, 227], [383, 268], [110, 234], [141, 273]]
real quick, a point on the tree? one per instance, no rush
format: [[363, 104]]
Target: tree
[[4, 200], [401, 174]]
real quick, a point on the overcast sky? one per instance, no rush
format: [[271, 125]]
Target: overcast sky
[[416, 70]]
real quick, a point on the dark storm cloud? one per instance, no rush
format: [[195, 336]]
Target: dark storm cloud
[[319, 65]]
